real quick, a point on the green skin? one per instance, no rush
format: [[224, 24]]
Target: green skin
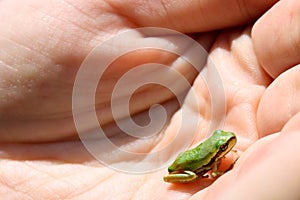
[[195, 163]]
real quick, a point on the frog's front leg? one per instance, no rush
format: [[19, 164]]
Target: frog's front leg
[[180, 177], [215, 168]]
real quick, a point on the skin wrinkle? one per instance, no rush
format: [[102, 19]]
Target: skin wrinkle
[[241, 4], [71, 21], [165, 5], [23, 195], [5, 183], [60, 179], [294, 37], [78, 9], [201, 9], [3, 64], [36, 47], [16, 184], [82, 37], [249, 62], [26, 58], [89, 187], [139, 189], [33, 62], [123, 15], [292, 105]]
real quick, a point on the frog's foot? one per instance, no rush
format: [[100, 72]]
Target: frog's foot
[[217, 173], [180, 177]]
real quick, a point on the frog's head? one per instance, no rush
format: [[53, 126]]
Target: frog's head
[[225, 142]]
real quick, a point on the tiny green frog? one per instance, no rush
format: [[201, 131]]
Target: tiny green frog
[[195, 163]]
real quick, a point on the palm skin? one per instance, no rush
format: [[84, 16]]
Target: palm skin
[[41, 155]]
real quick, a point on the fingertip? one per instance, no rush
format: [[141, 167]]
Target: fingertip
[[276, 37], [279, 103]]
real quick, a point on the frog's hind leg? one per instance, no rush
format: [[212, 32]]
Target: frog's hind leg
[[215, 168]]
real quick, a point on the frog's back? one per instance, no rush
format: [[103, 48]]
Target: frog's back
[[194, 158]]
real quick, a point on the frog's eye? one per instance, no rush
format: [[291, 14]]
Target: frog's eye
[[223, 147]]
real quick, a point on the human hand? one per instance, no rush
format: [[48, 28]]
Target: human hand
[[263, 109], [62, 48]]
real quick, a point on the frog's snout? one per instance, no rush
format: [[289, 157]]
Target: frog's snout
[[170, 169]]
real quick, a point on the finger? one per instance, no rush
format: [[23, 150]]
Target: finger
[[293, 124], [279, 102], [263, 172], [276, 37], [190, 15]]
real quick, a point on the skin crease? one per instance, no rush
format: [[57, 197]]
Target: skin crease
[[43, 44]]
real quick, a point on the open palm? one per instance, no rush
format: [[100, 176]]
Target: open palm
[[43, 45]]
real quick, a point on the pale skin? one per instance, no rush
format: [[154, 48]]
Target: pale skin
[[44, 42]]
